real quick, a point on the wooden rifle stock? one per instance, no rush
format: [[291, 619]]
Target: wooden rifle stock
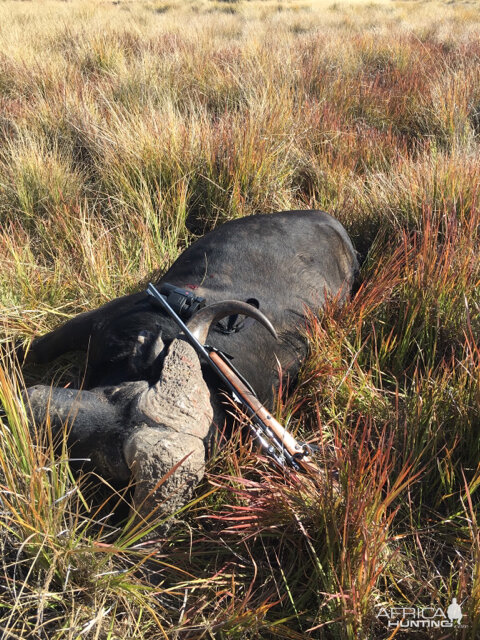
[[286, 439]]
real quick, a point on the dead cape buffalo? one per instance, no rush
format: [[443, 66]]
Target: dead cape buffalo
[[147, 404]]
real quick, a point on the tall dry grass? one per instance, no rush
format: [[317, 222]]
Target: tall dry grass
[[126, 130]]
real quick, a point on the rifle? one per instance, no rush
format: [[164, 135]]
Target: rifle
[[274, 440]]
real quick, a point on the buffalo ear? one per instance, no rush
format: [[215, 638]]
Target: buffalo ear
[[200, 323], [237, 322]]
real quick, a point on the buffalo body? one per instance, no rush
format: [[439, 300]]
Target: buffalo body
[[147, 403]]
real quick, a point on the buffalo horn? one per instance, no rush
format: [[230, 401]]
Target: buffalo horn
[[200, 323]]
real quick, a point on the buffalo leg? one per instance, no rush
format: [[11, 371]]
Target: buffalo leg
[[75, 334]]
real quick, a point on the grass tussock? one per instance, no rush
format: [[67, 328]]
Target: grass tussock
[[126, 130]]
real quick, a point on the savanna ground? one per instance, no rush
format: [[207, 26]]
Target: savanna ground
[[129, 128]]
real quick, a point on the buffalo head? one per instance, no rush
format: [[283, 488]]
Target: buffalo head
[[143, 430]]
